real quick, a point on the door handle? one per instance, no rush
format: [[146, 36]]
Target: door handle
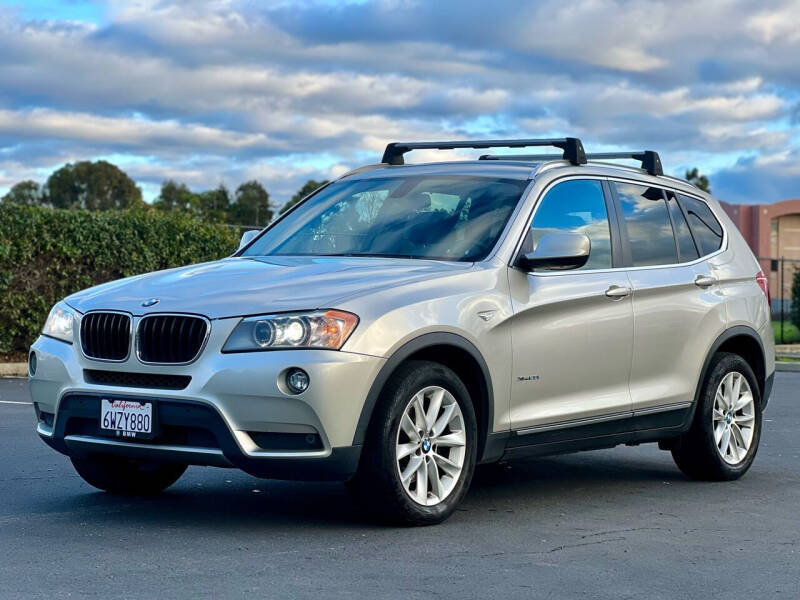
[[704, 281], [616, 292]]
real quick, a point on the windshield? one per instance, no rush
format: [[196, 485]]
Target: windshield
[[439, 218]]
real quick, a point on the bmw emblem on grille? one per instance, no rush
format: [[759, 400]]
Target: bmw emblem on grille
[[150, 302]]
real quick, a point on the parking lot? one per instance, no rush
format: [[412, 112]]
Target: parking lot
[[621, 523]]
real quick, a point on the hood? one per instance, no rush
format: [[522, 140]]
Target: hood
[[250, 286]]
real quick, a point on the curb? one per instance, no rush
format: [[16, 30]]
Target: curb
[[14, 369], [791, 349], [787, 366]]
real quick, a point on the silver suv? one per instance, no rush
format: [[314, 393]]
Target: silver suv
[[407, 322]]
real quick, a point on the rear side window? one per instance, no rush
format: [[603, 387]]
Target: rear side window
[[575, 206], [686, 248], [644, 210], [707, 230]]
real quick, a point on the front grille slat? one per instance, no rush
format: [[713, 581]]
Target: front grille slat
[[105, 335], [123, 330], [163, 340], [99, 332], [94, 328], [170, 339]]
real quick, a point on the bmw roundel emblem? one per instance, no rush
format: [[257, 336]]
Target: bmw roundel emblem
[[150, 302], [426, 445]]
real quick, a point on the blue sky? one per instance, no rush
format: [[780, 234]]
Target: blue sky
[[223, 91]]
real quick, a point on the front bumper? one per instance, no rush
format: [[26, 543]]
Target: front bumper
[[237, 399]]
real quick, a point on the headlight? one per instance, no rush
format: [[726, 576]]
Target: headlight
[[320, 329], [60, 323]]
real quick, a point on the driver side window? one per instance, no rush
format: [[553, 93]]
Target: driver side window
[[575, 206]]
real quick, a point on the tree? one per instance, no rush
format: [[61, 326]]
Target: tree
[[25, 192], [694, 177], [212, 205], [251, 206], [92, 185], [174, 197], [795, 312], [308, 187]]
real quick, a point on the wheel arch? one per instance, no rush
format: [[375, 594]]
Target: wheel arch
[[745, 342], [455, 352]]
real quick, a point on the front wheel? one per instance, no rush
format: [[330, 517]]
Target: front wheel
[[420, 453], [127, 476], [723, 440]]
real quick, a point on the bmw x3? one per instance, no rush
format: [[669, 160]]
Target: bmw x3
[[406, 322]]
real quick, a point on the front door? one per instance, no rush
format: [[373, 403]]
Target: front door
[[572, 331]]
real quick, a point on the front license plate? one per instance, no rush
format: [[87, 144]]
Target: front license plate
[[126, 418]]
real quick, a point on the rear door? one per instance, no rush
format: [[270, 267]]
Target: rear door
[[674, 297], [572, 331]]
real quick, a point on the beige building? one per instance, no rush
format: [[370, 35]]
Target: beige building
[[773, 232]]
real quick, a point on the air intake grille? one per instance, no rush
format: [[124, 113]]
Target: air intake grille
[[170, 339], [142, 380], [106, 335]]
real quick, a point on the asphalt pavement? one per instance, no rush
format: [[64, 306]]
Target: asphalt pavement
[[620, 523]]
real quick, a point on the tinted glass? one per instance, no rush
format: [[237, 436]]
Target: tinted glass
[[442, 218], [576, 206], [686, 247], [706, 228], [644, 211]]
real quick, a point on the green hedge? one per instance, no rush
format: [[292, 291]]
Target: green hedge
[[47, 254]]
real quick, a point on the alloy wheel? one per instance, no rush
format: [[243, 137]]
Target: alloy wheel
[[431, 445], [733, 418]]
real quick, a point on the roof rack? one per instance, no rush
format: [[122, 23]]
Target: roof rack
[[572, 147], [650, 160]]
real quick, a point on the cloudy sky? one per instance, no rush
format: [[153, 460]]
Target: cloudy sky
[[225, 91]]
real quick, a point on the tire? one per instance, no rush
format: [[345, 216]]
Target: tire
[[379, 484], [127, 476], [698, 452]]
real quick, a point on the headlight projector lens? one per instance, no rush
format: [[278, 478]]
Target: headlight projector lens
[[263, 333], [297, 380]]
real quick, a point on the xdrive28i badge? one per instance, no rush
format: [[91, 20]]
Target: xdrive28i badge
[[150, 302]]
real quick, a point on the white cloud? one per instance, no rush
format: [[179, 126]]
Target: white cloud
[[224, 89], [133, 132]]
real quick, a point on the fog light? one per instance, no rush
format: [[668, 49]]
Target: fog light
[[297, 380], [32, 364]]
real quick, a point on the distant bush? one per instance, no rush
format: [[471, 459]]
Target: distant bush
[[47, 254]]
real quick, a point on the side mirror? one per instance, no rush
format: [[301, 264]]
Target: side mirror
[[557, 252], [247, 237]]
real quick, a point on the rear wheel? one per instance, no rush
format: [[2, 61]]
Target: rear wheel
[[127, 476], [419, 457], [723, 440]]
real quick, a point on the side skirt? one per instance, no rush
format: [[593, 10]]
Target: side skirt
[[647, 425]]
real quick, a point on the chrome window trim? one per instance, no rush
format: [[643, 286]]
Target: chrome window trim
[[723, 246], [172, 314], [130, 334]]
